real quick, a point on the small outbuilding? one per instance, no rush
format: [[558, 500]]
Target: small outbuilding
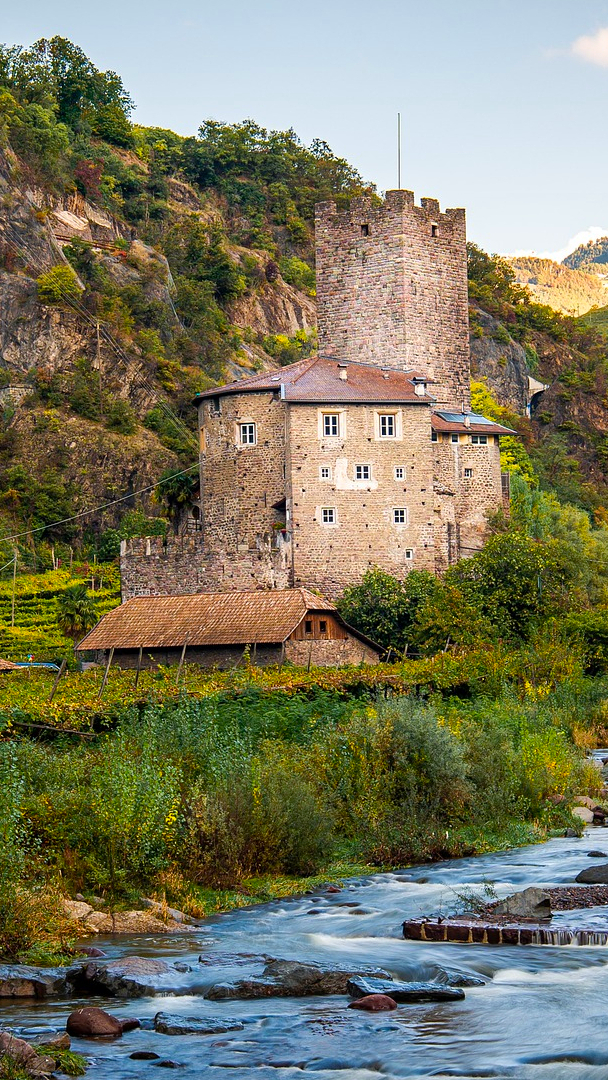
[[220, 629]]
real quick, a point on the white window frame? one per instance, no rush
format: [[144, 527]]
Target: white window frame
[[250, 428], [363, 469], [327, 419], [479, 440], [399, 469], [409, 554], [398, 510], [468, 474], [383, 419], [325, 512], [327, 469]]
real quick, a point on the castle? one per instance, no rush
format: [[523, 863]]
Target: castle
[[365, 455]]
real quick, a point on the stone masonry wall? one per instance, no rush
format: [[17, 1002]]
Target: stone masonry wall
[[462, 502], [392, 289], [329, 653], [329, 557]]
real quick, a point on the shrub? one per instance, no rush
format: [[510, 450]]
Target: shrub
[[57, 284], [120, 417]]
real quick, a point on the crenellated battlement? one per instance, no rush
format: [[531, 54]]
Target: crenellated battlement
[[392, 288]]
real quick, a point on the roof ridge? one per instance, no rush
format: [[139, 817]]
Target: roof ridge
[[312, 361]]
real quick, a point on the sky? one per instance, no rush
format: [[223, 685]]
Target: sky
[[503, 102]]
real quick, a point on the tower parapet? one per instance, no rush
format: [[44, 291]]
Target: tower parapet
[[392, 288]]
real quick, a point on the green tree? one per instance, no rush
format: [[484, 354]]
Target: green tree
[[384, 608], [175, 492], [57, 284], [76, 611]]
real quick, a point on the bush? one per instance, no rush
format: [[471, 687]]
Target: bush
[[57, 284], [120, 417]]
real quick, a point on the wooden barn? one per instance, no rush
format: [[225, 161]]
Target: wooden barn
[[219, 629]]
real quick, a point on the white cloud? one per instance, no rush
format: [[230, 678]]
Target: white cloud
[[594, 232], [593, 48]]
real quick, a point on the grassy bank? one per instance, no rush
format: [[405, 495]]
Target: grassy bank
[[243, 791]]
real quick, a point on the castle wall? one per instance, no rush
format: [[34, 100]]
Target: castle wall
[[329, 557], [392, 289], [463, 502]]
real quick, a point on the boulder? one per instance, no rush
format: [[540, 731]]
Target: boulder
[[584, 813], [532, 903], [374, 1003], [144, 1055], [20, 980], [128, 977], [77, 910], [594, 875], [447, 977], [584, 800], [93, 1023], [290, 978], [360, 987], [167, 1024], [597, 855], [129, 922], [25, 1056], [164, 912], [60, 1041]]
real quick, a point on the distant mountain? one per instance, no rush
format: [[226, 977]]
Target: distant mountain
[[565, 288], [591, 257]]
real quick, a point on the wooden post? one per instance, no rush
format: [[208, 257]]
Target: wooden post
[[181, 659], [105, 674], [309, 655], [141, 649], [57, 678], [14, 587]]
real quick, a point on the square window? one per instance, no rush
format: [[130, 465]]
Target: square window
[[468, 473], [455, 437], [400, 515], [479, 440], [387, 425], [328, 515], [331, 423], [434, 436], [325, 472], [363, 472], [409, 553], [322, 626], [248, 435], [399, 472]]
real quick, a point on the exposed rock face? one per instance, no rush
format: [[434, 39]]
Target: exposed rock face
[[93, 1023], [362, 987], [275, 309], [502, 364], [168, 1024], [289, 978], [129, 922]]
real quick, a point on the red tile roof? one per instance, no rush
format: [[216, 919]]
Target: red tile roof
[[317, 379], [230, 618]]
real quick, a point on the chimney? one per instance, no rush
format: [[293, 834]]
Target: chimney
[[467, 419], [419, 386], [343, 372]]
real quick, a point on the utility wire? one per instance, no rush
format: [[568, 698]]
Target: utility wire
[[95, 509]]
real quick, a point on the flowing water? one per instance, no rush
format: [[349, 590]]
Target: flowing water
[[542, 1014]]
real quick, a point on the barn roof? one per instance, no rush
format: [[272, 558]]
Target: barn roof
[[230, 618], [321, 379]]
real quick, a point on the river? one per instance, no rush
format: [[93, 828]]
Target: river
[[542, 1014]]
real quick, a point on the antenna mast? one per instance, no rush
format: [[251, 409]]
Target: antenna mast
[[399, 150]]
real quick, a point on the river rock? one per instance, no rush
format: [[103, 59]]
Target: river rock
[[144, 1055], [168, 1024], [128, 977], [129, 922], [532, 903], [20, 980], [60, 1041], [93, 1023], [359, 987], [597, 855], [584, 813], [447, 977], [290, 978], [594, 875], [25, 1056], [164, 912], [374, 1003]]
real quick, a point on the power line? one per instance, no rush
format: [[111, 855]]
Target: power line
[[96, 509]]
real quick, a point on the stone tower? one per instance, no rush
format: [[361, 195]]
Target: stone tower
[[392, 289]]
